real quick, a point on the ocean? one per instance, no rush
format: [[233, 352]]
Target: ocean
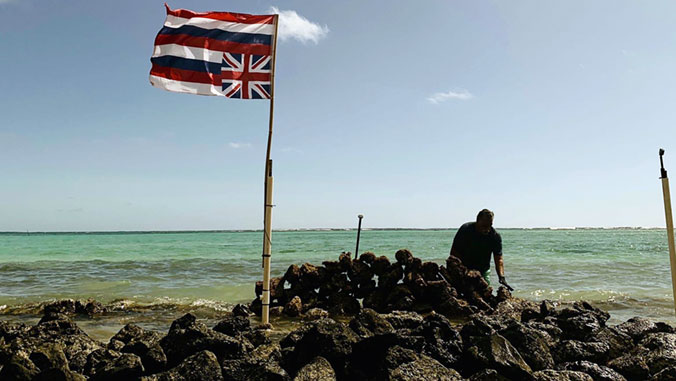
[[155, 277]]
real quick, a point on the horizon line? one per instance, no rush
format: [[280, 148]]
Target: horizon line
[[178, 231]]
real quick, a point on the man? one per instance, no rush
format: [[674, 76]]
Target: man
[[475, 241]]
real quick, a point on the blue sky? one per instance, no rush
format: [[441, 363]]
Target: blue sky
[[413, 114]]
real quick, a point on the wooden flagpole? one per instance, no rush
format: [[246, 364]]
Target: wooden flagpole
[[267, 213], [670, 225]]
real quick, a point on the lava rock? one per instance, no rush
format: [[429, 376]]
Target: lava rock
[[201, 366], [19, 368], [368, 323], [54, 374], [662, 350], [367, 257], [597, 372], [315, 314], [233, 325], [496, 352], [532, 344], [403, 256], [404, 319], [241, 310], [380, 265], [327, 338], [488, 375], [125, 367], [319, 369], [187, 336], [561, 375], [423, 368], [574, 350], [294, 307], [49, 356], [632, 365]]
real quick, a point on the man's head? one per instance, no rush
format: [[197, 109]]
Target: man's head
[[484, 221]]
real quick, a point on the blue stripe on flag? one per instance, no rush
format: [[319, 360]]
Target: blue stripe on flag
[[221, 35], [187, 64]]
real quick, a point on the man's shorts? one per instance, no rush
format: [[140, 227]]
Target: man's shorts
[[487, 276]]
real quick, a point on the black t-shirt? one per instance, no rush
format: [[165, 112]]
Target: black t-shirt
[[474, 248]]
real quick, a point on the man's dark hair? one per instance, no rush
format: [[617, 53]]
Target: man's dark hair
[[484, 213]]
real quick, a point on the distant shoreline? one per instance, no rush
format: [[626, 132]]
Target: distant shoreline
[[121, 232]]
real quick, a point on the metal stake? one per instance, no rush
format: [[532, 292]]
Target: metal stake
[[356, 250]]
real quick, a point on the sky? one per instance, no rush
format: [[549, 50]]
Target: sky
[[414, 114]]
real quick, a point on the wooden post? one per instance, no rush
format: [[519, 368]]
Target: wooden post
[[267, 213], [670, 225]]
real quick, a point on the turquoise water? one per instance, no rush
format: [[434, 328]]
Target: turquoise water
[[624, 271]]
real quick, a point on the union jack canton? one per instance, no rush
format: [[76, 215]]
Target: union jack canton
[[246, 76]]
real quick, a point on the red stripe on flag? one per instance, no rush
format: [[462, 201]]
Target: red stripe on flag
[[223, 16], [207, 43], [247, 76], [186, 75]]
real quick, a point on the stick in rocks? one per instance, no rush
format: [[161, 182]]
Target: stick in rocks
[[356, 250]]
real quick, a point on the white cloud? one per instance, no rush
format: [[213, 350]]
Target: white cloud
[[461, 95], [294, 26], [237, 145]]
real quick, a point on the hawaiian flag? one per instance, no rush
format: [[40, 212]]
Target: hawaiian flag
[[215, 53]]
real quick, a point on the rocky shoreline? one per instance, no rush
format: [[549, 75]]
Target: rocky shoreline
[[366, 319]]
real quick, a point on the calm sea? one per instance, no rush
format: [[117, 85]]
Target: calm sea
[[623, 271]]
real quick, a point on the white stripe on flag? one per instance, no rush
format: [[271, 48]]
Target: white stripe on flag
[[206, 23], [188, 52], [185, 87]]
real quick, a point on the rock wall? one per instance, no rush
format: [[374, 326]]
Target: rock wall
[[406, 284]]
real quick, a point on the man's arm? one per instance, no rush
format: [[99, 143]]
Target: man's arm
[[499, 266]]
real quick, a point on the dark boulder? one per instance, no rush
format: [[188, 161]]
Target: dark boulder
[[404, 319], [496, 352], [597, 372], [345, 260], [319, 369], [49, 356], [632, 365], [294, 307], [202, 366], [368, 323], [19, 368], [233, 325], [125, 367], [403, 257], [561, 375], [662, 350], [380, 265], [488, 375], [241, 310], [326, 338], [637, 328], [666, 374], [187, 336], [55, 374], [143, 343], [574, 350], [423, 368], [619, 343], [292, 274], [531, 343], [315, 314], [367, 257]]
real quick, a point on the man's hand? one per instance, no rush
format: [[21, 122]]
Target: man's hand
[[501, 279]]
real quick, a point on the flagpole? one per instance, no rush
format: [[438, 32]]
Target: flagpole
[[267, 213], [670, 225]]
